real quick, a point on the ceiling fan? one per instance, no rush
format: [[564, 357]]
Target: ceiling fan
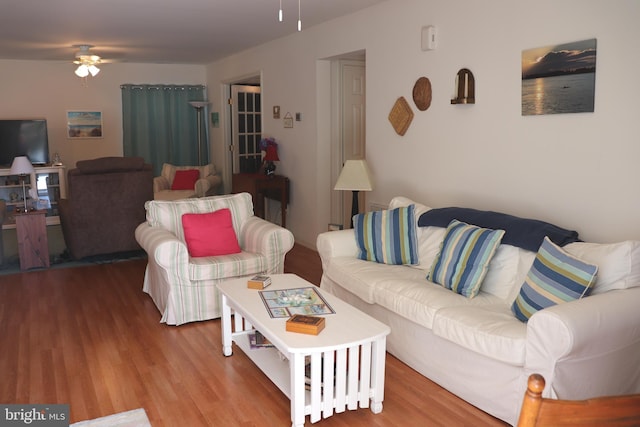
[[86, 61]]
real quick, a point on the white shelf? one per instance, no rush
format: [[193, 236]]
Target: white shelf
[[269, 360], [56, 190]]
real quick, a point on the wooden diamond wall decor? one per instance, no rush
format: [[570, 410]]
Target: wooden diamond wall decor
[[401, 116]]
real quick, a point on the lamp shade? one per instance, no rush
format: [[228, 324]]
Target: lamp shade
[[21, 166], [271, 154], [82, 71], [355, 176]]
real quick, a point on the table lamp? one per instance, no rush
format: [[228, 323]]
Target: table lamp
[[355, 176], [271, 155], [22, 166]]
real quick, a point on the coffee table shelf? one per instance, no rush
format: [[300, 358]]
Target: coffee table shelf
[[356, 354]]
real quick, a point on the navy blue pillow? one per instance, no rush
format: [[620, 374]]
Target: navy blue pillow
[[521, 232]]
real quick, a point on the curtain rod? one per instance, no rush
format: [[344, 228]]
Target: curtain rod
[[163, 87]]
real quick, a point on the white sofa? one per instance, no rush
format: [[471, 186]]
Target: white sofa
[[185, 288], [476, 347]]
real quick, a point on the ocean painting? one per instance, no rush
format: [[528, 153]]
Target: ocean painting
[[559, 79], [84, 124]]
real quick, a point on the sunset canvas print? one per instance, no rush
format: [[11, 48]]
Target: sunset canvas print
[[559, 79]]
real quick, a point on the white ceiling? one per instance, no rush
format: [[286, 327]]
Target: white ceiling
[[154, 31]]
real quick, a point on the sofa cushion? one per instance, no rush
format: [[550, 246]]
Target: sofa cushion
[[502, 276], [225, 266], [363, 277], [618, 263], [185, 179], [429, 238], [490, 330], [167, 214], [210, 234], [174, 194], [555, 277], [524, 233], [400, 202], [464, 257], [387, 236], [419, 300]]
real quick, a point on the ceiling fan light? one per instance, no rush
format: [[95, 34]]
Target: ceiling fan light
[[93, 70], [82, 71]]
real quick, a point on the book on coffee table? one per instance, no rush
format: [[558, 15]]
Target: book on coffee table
[[259, 282]]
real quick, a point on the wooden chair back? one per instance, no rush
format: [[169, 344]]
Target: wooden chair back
[[602, 411]]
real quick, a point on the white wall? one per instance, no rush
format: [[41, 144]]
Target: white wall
[[48, 89], [576, 170]]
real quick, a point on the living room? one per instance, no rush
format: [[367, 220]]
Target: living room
[[555, 165], [575, 170]]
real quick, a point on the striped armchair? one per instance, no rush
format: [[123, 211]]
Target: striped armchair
[[185, 289]]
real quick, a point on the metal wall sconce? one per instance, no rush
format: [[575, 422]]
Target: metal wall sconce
[[465, 88]]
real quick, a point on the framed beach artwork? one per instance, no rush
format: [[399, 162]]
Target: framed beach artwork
[[559, 79], [84, 124]]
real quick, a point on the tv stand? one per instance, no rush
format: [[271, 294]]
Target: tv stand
[[51, 185]]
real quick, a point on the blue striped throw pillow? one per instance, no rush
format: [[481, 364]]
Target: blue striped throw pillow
[[388, 236], [464, 257], [555, 277]]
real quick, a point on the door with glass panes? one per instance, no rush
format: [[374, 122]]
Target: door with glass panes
[[247, 128]]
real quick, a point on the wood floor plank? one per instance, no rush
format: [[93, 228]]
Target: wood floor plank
[[90, 337]]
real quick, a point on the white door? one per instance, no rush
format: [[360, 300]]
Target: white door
[[351, 125], [246, 133]]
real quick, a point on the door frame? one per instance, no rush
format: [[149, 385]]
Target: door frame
[[337, 198], [248, 79]]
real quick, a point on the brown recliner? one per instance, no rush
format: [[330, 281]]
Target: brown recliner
[[105, 204]]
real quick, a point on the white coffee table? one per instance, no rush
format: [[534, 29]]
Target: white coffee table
[[352, 345]]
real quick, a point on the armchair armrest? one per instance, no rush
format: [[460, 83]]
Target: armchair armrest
[[267, 239], [333, 244], [589, 347], [207, 185], [160, 183], [163, 247]]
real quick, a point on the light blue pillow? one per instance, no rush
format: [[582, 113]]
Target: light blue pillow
[[388, 236], [464, 257], [555, 277]]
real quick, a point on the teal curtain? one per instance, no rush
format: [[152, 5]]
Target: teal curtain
[[161, 126]]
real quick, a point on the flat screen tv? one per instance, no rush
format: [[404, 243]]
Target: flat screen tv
[[24, 138]]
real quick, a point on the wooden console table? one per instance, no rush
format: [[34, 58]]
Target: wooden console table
[[33, 245], [260, 186]]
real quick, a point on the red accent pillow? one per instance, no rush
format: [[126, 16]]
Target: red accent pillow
[[185, 179], [210, 234]]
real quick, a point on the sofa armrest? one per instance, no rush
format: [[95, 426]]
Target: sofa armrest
[[160, 183], [267, 239], [333, 244], [589, 347], [206, 186]]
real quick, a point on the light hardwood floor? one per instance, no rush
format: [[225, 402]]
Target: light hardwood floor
[[90, 337]]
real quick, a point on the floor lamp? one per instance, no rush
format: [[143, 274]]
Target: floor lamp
[[199, 105], [22, 166], [355, 177]]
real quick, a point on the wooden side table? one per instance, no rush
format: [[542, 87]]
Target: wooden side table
[[260, 186], [33, 245]]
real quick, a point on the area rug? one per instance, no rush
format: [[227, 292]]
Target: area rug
[[134, 418], [11, 265]]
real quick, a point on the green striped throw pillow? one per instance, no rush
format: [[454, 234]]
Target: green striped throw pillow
[[387, 236], [555, 277], [464, 257]]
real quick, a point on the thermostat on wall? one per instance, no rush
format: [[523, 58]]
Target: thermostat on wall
[[429, 37]]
